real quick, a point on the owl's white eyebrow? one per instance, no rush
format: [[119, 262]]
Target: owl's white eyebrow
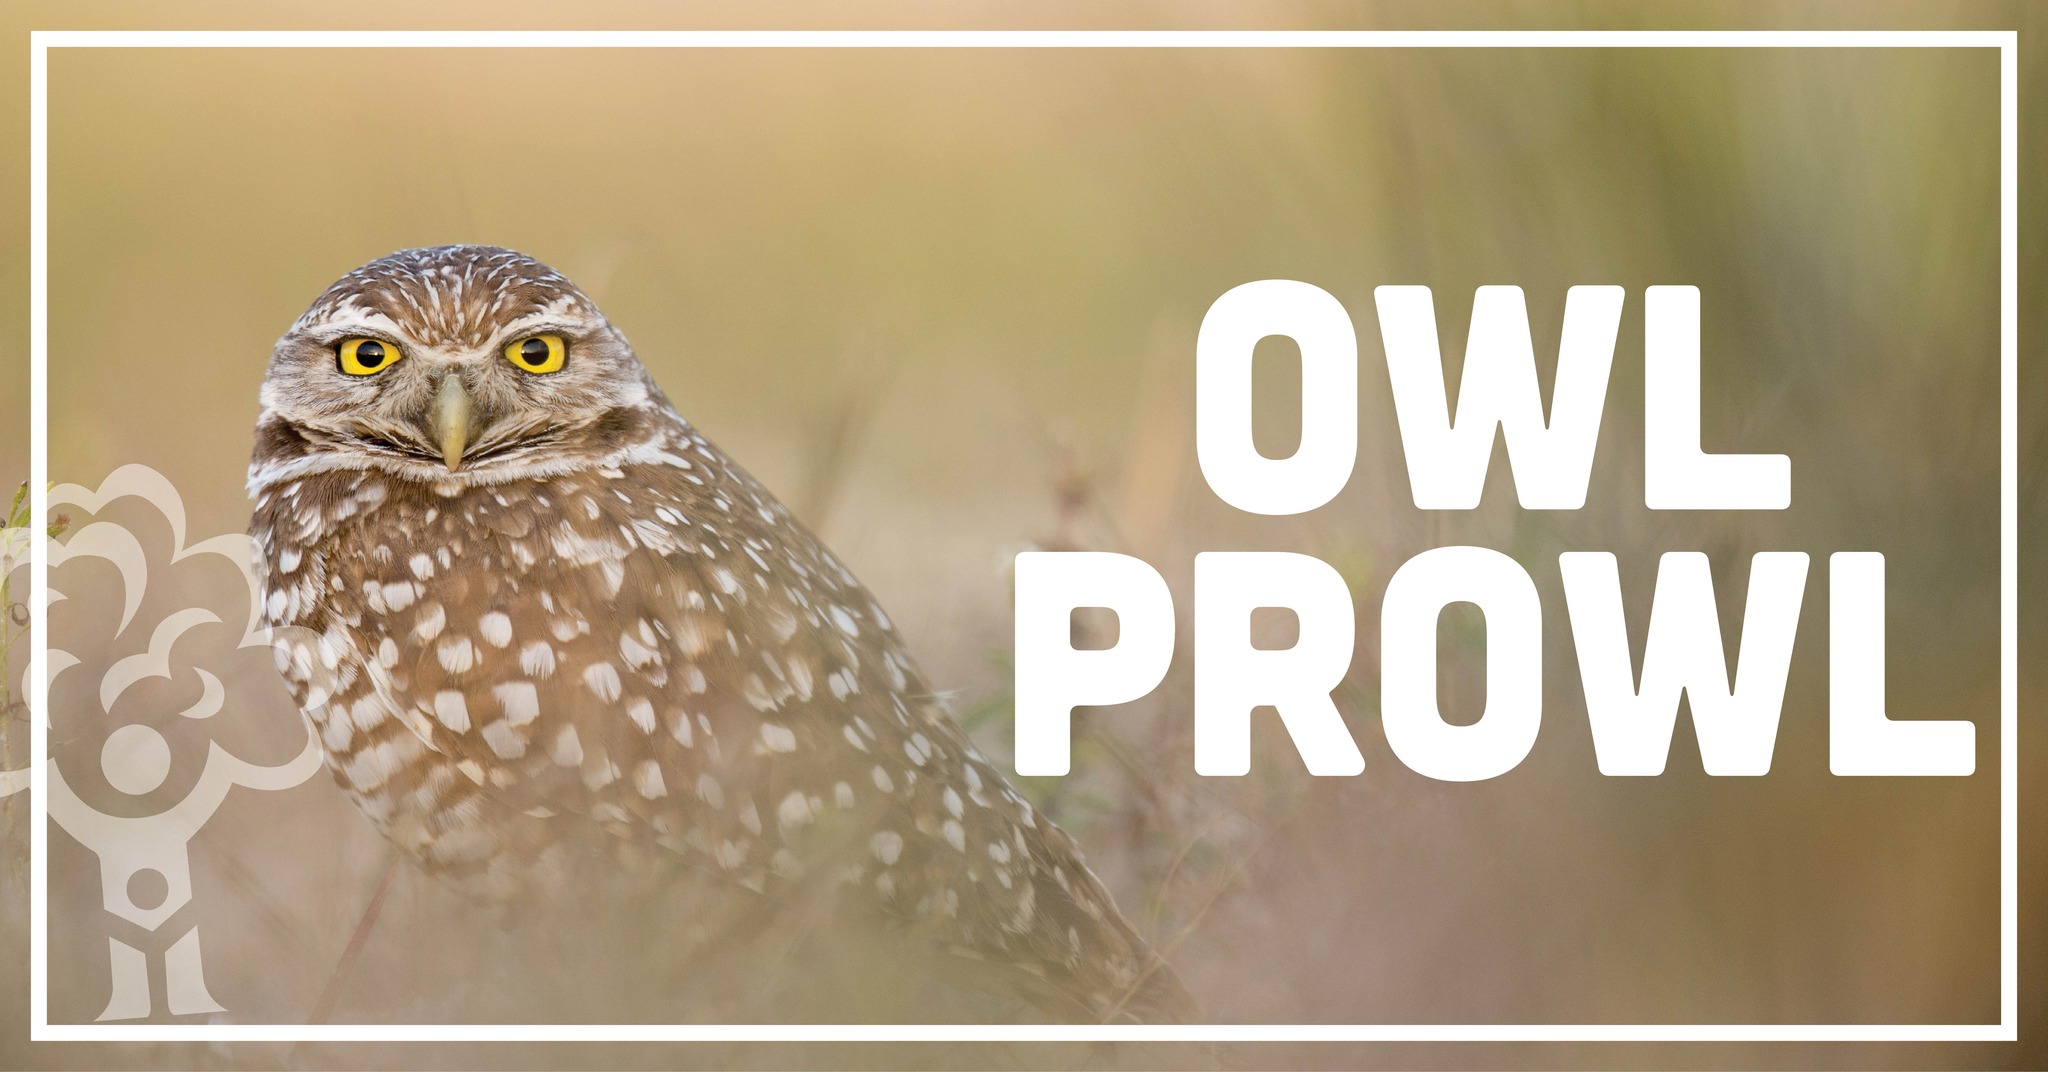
[[537, 324], [372, 324]]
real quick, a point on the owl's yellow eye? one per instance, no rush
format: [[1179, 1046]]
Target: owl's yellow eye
[[541, 353], [367, 357]]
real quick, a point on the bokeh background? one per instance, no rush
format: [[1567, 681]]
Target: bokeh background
[[945, 304]]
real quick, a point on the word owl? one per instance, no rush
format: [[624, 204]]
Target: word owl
[[541, 610]]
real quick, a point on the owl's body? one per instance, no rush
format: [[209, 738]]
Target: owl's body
[[582, 625]]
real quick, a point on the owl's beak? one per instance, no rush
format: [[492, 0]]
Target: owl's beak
[[452, 409]]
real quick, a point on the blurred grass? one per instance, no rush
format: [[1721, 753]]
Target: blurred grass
[[946, 302]]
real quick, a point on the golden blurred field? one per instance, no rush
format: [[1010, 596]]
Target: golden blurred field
[[945, 303]]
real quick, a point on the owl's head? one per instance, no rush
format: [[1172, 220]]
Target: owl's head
[[465, 364]]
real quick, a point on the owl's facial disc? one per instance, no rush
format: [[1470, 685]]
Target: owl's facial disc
[[458, 363]]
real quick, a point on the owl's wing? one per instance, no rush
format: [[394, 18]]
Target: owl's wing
[[663, 650]]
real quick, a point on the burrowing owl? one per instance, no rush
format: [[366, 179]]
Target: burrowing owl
[[547, 606]]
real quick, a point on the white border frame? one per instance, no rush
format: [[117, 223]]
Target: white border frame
[[2005, 41]]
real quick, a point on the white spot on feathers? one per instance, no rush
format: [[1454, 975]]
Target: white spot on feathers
[[519, 701], [634, 652], [568, 748], [537, 659], [777, 738], [496, 629], [453, 712], [794, 812], [709, 791], [603, 681], [505, 741], [647, 779], [432, 619], [642, 714], [457, 654]]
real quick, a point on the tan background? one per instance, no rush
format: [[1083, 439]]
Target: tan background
[[945, 304]]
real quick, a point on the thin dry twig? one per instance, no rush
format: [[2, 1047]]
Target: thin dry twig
[[1164, 954], [332, 993], [1172, 872]]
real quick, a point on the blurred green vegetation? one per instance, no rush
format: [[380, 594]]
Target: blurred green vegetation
[[945, 302]]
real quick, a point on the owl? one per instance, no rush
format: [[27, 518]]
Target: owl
[[544, 625]]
